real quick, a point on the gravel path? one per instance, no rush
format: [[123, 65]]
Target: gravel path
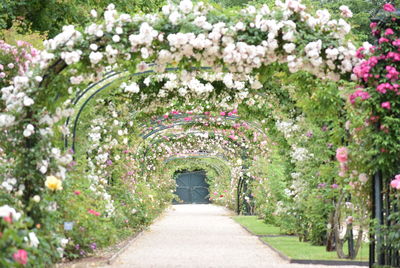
[[199, 236]]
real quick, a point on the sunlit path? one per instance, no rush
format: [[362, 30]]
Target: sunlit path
[[199, 236]]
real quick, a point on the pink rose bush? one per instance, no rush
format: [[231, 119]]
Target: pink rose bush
[[378, 71], [15, 60], [378, 92]]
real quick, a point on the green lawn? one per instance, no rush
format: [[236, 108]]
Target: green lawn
[[290, 245], [257, 226]]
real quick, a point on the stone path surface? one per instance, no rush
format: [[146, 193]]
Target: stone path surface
[[200, 236]]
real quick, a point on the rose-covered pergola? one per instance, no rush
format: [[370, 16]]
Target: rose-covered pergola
[[177, 76]]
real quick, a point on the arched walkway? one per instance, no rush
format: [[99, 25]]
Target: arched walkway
[[199, 236]]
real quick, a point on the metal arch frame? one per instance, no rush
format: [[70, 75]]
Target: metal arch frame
[[157, 132], [174, 124], [111, 75], [154, 141], [197, 116], [215, 167], [200, 116], [242, 183], [196, 155]]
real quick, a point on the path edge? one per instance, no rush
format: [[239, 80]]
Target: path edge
[[133, 238], [111, 259]]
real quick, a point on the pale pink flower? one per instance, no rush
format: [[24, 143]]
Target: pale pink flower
[[342, 154], [21, 256]]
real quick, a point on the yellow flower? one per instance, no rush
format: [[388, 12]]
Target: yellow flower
[[53, 183]]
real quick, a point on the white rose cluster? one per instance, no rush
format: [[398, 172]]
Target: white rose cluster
[[6, 211], [288, 128], [67, 38], [300, 154]]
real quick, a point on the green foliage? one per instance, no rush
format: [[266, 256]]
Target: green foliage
[[48, 16], [363, 11]]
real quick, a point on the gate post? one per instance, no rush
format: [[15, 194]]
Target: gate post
[[376, 243]]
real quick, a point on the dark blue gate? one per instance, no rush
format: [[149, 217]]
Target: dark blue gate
[[192, 188]]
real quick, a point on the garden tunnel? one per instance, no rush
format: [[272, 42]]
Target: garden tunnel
[[109, 58], [159, 124], [240, 184]]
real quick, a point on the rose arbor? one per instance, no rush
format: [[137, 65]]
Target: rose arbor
[[185, 37]]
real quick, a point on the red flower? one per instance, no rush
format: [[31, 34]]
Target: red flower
[[77, 192], [93, 212], [21, 256]]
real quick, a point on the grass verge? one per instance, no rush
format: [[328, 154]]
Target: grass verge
[[294, 249], [257, 226], [290, 245]]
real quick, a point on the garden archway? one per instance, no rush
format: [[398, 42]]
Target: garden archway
[[184, 37]]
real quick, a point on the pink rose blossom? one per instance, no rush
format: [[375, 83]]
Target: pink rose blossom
[[382, 88], [396, 182], [386, 105], [383, 40], [359, 93], [389, 31], [233, 137], [359, 53], [21, 256], [392, 72], [342, 154], [389, 7]]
